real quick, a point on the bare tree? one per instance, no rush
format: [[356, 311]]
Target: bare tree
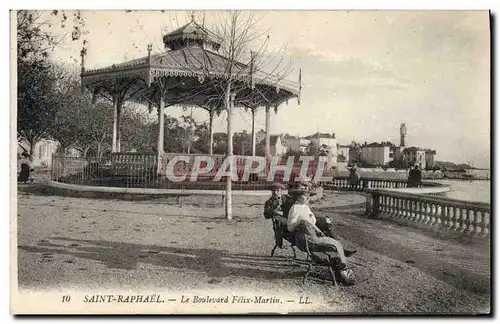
[[230, 73]]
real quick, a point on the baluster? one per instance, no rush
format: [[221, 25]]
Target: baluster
[[457, 222], [390, 201], [444, 216], [417, 211], [432, 214], [439, 216], [409, 213], [485, 224], [404, 208], [477, 223], [421, 210], [465, 221], [388, 206], [414, 211], [399, 207], [451, 217], [427, 213], [408, 209], [471, 222]]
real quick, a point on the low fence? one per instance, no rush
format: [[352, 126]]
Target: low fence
[[468, 218], [140, 170]]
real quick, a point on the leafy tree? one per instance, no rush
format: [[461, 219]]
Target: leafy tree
[[242, 143], [37, 79], [312, 149], [34, 41], [35, 101]]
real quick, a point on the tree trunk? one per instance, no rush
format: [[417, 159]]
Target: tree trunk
[[253, 132], [32, 142], [86, 150], [229, 109], [268, 132], [210, 126]]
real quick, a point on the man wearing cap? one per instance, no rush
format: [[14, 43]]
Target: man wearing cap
[[276, 208], [278, 205]]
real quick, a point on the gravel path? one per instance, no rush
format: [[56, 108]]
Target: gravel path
[[76, 243]]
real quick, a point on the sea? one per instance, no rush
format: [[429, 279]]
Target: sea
[[470, 190]]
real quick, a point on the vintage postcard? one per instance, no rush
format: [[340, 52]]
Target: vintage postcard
[[250, 162]]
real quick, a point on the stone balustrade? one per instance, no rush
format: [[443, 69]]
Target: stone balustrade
[[367, 184], [468, 218]]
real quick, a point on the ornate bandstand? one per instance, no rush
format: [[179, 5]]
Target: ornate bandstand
[[190, 72]]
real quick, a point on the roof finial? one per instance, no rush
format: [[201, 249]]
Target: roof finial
[[150, 47], [192, 16]]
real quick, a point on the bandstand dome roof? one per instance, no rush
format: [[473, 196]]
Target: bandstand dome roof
[[191, 33], [191, 53]]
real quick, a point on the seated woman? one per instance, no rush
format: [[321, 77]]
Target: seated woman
[[300, 214]]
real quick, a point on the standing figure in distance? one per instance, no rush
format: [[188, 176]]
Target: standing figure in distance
[[353, 177], [26, 169]]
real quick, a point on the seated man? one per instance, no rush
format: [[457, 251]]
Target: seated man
[[273, 207], [301, 213], [276, 208]]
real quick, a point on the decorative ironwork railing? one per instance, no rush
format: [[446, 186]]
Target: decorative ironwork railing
[[140, 170]]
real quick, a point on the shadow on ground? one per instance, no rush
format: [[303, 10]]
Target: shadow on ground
[[212, 262]]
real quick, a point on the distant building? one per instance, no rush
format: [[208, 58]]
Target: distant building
[[260, 136], [304, 143], [43, 150], [415, 155], [385, 152], [326, 140], [292, 143], [343, 153], [277, 145], [377, 153], [429, 157]]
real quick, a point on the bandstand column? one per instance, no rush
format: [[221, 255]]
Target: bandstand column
[[115, 124], [161, 126], [253, 132], [268, 134], [118, 122], [161, 133]]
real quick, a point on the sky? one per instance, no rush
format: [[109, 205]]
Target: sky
[[363, 72]]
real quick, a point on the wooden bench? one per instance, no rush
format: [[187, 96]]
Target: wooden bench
[[304, 244]]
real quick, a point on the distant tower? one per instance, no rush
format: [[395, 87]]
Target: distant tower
[[402, 132]]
